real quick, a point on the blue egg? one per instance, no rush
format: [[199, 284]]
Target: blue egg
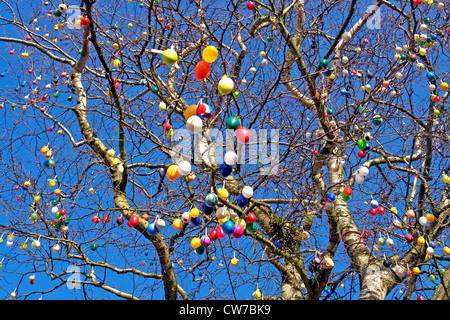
[[328, 293], [92, 173], [434, 37], [368, 146], [241, 201], [430, 75], [431, 244], [228, 227], [207, 210], [428, 39], [2, 74], [46, 163], [196, 221], [151, 229], [348, 95], [328, 72], [141, 5], [343, 92], [277, 243], [225, 170], [331, 196]]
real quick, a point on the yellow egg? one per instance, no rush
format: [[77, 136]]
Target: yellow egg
[[421, 240], [27, 184], [194, 212], [430, 217], [55, 40], [37, 199], [213, 258], [130, 25], [332, 76], [115, 161], [234, 261], [223, 193], [444, 85], [416, 270], [242, 223], [13, 295], [257, 294], [23, 246], [220, 264], [394, 210], [210, 54], [52, 183], [446, 250], [222, 221], [115, 46], [195, 243], [116, 63]]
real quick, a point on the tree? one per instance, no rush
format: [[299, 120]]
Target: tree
[[117, 116]]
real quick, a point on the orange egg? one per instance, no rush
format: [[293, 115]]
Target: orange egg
[[177, 224], [190, 111], [57, 192], [172, 172]]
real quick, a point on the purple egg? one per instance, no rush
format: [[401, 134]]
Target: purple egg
[[205, 241]]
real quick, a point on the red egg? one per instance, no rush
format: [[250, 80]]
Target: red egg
[[134, 221], [315, 152], [62, 211], [106, 219], [409, 238], [381, 210], [119, 220], [202, 70], [85, 21], [220, 233], [437, 98], [167, 126], [348, 191], [361, 154], [213, 235], [242, 135], [373, 211], [250, 5], [251, 217], [11, 52]]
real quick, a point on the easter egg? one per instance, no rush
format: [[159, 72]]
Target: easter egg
[[205, 241], [202, 70], [232, 123], [133, 221], [169, 56], [241, 201], [177, 224], [251, 218], [211, 200], [234, 261], [210, 54], [409, 238], [225, 170], [200, 250], [446, 250], [195, 243], [348, 191], [247, 192], [207, 210], [116, 63], [194, 124], [250, 5], [190, 111], [213, 235], [186, 216], [220, 233], [421, 240], [228, 227], [242, 135], [184, 168], [226, 85], [238, 231], [223, 193], [172, 172], [230, 158]]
